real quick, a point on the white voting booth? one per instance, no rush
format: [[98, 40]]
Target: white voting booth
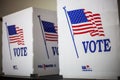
[[89, 35], [30, 43]]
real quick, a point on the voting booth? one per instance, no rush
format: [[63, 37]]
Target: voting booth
[[89, 35], [30, 43]]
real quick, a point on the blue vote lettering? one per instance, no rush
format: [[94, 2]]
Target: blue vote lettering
[[92, 46], [55, 50], [22, 51]]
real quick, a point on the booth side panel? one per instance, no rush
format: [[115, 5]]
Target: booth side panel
[[17, 43], [84, 27], [45, 52]]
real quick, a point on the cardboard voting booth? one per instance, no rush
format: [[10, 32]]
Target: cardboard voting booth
[[30, 43], [89, 36]]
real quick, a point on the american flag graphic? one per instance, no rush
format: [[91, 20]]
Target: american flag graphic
[[15, 35], [50, 32], [84, 21]]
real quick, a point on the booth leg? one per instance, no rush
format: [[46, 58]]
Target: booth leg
[[34, 75]]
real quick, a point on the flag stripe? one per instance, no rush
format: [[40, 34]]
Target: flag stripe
[[51, 40], [51, 36], [76, 33], [99, 24]]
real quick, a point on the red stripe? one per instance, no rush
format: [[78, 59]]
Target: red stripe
[[101, 31], [88, 12], [96, 14], [51, 36], [102, 35], [97, 18], [82, 32], [51, 40], [97, 21], [81, 25], [82, 29], [100, 27], [95, 34]]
